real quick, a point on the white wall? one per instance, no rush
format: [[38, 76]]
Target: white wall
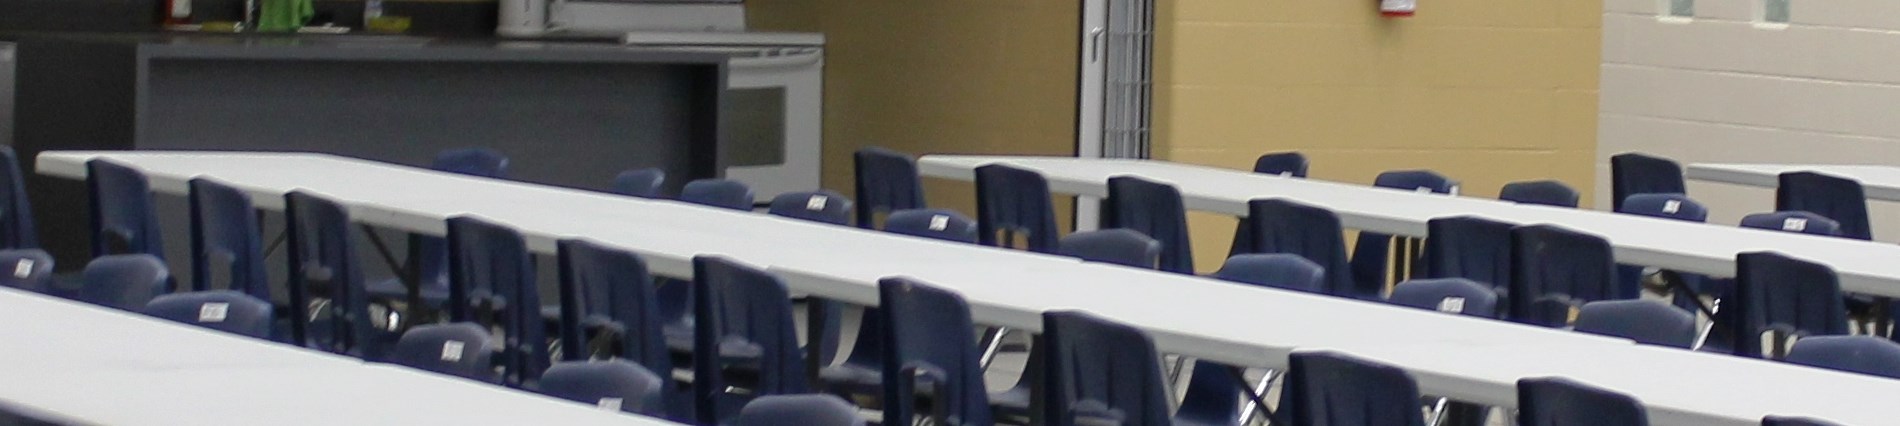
[[1721, 87]]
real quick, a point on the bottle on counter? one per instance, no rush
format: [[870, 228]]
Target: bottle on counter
[[177, 12], [372, 9]]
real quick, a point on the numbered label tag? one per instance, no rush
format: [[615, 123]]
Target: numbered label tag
[[213, 312], [609, 404], [817, 202], [1452, 305], [452, 350], [939, 222], [23, 269], [1672, 206], [1794, 224]]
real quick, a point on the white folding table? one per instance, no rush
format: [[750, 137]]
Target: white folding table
[[1879, 182]]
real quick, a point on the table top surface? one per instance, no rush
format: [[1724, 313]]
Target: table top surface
[[1879, 182]]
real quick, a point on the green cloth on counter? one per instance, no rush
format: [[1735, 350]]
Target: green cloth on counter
[[284, 15]]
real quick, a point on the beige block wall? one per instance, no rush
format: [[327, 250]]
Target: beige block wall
[[1485, 91]]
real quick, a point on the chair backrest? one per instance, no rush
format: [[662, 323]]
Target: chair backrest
[[1554, 270], [643, 183], [1837, 198], [1787, 295], [476, 161], [1793, 221], [429, 255], [1371, 258], [124, 281], [458, 349], [1277, 270], [742, 309], [942, 224], [1634, 173], [606, 286], [1557, 401], [16, 213], [1469, 247], [721, 193], [1118, 246], [223, 310], [612, 384], [1333, 389], [491, 282], [1289, 164], [28, 269], [818, 206], [1795, 421], [1014, 201], [121, 215], [809, 410], [1645, 321], [322, 254], [927, 333], [1666, 206], [886, 182], [1540, 192], [1154, 209], [1449, 295], [1100, 371], [224, 228], [1858, 354], [1285, 226]]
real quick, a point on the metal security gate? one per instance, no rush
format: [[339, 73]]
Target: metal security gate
[[1116, 87]]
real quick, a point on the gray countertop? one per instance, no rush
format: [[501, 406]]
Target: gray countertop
[[365, 47]]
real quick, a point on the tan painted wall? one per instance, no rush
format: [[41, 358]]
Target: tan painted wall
[[1485, 91]]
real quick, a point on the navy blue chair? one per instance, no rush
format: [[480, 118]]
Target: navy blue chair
[[1634, 173], [1118, 246], [458, 349], [1469, 247], [1284, 226], [224, 227], [27, 269], [1212, 387], [609, 292], [612, 384], [721, 193], [1100, 372], [1153, 209], [817, 206], [1539, 192], [1011, 202], [1557, 401], [1332, 389], [16, 213], [743, 319], [1644, 321], [1789, 296], [1665, 206], [223, 310], [122, 218], [1793, 221], [927, 337], [643, 183], [942, 224], [886, 182], [1289, 164], [1277, 270], [323, 263], [427, 257], [1449, 295], [1371, 253], [1855, 354], [807, 410], [491, 282], [1836, 198], [475, 161], [1554, 270], [124, 281], [1795, 421]]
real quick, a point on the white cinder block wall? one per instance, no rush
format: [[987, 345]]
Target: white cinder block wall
[[1724, 87]]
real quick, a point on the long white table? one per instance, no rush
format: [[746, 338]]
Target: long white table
[[1192, 316], [76, 363], [1879, 182], [1864, 267]]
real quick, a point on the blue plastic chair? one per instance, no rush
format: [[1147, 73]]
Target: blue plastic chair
[[1774, 292], [122, 218], [1665, 206], [610, 291], [1010, 202], [886, 182], [1644, 321], [1333, 389], [1795, 421], [942, 224], [322, 256], [224, 227], [124, 281], [1539, 192], [1118, 246], [927, 338], [1856, 354], [721, 193], [1793, 221], [817, 206], [459, 349], [16, 213], [1099, 371], [1469, 247], [1153, 209], [1449, 295], [1557, 401], [223, 310], [1277, 270], [1371, 257], [27, 269], [1289, 164], [612, 385], [1285, 226], [643, 183], [476, 161], [805, 410], [1554, 269], [1213, 387], [1836, 198], [427, 256], [491, 282], [1635, 173], [743, 316]]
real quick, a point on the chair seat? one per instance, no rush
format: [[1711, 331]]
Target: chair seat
[[852, 379], [730, 348], [1011, 404]]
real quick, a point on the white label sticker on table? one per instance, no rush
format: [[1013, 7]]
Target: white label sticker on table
[[1672, 206], [213, 312], [939, 222], [1452, 305], [816, 203], [609, 404], [1794, 224], [452, 351], [1422, 189], [23, 269]]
